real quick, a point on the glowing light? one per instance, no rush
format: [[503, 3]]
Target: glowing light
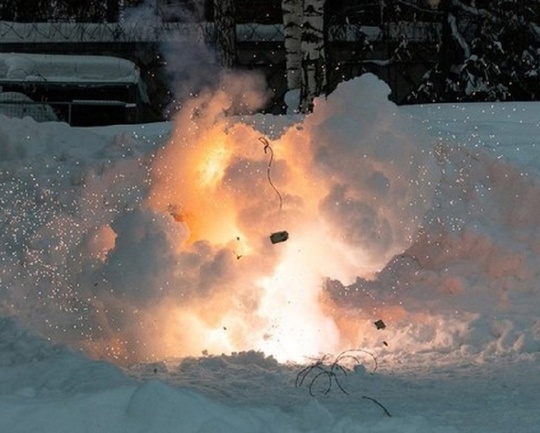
[[213, 164], [297, 327], [193, 190], [218, 179], [170, 257]]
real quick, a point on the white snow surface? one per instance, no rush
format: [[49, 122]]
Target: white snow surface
[[66, 68], [433, 214]]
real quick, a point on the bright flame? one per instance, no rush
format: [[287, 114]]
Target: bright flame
[[195, 173], [296, 324], [227, 199], [192, 269], [231, 192]]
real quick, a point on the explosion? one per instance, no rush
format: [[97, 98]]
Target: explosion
[[349, 206], [165, 241], [139, 252]]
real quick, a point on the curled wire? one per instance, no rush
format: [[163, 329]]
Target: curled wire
[[267, 148], [330, 372]]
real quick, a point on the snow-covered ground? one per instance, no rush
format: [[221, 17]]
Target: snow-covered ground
[[134, 256]]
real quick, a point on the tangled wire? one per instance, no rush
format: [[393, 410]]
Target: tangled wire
[[330, 372]]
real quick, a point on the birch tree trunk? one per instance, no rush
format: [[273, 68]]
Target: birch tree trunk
[[225, 28], [313, 54], [303, 23], [292, 28]]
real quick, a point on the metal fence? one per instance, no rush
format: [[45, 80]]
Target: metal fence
[[11, 32]]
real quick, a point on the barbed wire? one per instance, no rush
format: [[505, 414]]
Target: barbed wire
[[201, 32], [105, 32]]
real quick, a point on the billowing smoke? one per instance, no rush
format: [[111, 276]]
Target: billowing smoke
[[134, 251], [350, 202], [150, 242], [378, 166]]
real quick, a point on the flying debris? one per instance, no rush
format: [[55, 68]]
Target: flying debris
[[379, 324], [278, 237], [238, 256]]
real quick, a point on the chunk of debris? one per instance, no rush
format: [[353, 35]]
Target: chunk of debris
[[379, 324], [279, 237]]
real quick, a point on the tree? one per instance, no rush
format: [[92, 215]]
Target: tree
[[292, 29], [225, 27], [303, 23], [59, 10], [313, 54], [489, 52], [24, 10]]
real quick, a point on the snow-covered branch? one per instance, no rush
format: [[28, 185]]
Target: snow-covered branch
[[478, 12], [535, 29], [458, 36]]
